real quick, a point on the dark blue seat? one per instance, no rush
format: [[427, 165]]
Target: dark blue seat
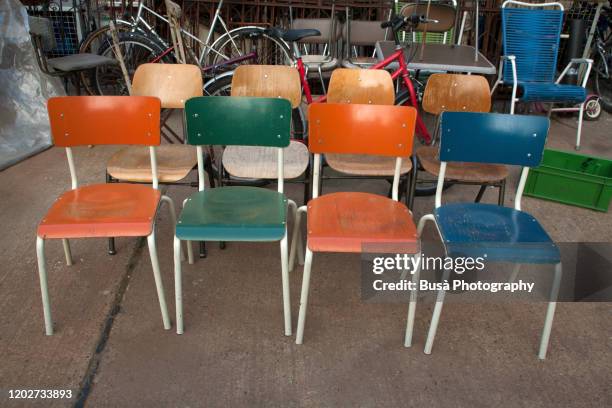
[[500, 234], [550, 92]]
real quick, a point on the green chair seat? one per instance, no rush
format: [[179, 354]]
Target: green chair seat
[[233, 214]]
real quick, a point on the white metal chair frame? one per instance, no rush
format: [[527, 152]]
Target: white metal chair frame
[[283, 246], [307, 259], [574, 61], [552, 304], [40, 249]]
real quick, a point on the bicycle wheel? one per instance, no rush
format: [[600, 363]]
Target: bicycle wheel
[[603, 78], [236, 45], [427, 183], [137, 49], [92, 44]]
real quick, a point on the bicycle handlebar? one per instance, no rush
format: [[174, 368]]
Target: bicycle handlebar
[[397, 22]]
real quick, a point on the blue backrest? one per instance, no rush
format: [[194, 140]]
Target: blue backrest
[[492, 138], [532, 35]]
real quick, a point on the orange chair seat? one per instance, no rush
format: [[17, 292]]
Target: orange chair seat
[[102, 210], [345, 222]]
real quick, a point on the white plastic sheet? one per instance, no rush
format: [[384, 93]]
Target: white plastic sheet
[[24, 89]]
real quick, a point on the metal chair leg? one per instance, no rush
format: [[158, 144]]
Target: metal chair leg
[[433, 326], [481, 192], [284, 248], [44, 289], [412, 307], [203, 251], [502, 192], [299, 338], [178, 287], [550, 312], [159, 284]]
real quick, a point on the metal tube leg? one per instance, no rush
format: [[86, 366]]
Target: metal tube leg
[[433, 326], [284, 248], [158, 281], [189, 253], [111, 246], [299, 338], [579, 131], [203, 252], [44, 290], [515, 272], [481, 192], [66, 245], [172, 211], [296, 241], [502, 193], [322, 80], [178, 288], [550, 312], [412, 307]]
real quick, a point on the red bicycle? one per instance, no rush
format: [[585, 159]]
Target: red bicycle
[[406, 95]]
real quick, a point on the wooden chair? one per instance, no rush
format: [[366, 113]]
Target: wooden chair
[[487, 231], [173, 84], [260, 162], [444, 12], [344, 222], [236, 213], [370, 87], [359, 33], [103, 210], [460, 93]]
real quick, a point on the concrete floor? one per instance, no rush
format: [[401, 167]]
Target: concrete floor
[[111, 350]]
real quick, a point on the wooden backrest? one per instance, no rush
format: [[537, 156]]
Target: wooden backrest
[[456, 93], [238, 121], [365, 32], [364, 86], [173, 84], [268, 81], [444, 13], [493, 138], [104, 120], [361, 129]]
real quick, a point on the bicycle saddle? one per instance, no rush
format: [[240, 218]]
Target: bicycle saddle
[[293, 35]]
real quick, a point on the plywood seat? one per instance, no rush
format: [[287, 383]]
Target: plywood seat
[[313, 62], [102, 210], [366, 165], [470, 172], [359, 62], [133, 163], [344, 222], [261, 162]]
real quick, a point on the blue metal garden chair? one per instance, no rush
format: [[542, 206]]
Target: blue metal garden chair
[[496, 233], [531, 34]]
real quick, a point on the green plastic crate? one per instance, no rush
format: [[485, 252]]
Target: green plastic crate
[[573, 179]]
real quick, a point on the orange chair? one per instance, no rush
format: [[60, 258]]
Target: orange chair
[[346, 221], [103, 210]]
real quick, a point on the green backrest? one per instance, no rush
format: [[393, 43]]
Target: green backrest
[[242, 121]]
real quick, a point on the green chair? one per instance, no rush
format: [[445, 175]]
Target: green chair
[[236, 213]]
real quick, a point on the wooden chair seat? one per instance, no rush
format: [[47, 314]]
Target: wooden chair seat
[[366, 165], [102, 210], [471, 172], [344, 222], [262, 162], [133, 163]]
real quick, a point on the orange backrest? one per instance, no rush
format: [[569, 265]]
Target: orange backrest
[[173, 84], [367, 86], [361, 129], [104, 120]]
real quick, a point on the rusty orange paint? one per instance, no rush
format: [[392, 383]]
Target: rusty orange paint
[[103, 120], [348, 222], [361, 129], [102, 210]]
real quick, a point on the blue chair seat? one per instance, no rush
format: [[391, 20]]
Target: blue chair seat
[[233, 214], [551, 92], [499, 234]]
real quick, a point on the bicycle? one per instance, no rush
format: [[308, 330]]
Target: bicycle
[[140, 43], [602, 48], [402, 55]]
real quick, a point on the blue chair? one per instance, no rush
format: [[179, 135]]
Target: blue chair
[[496, 233], [531, 34]]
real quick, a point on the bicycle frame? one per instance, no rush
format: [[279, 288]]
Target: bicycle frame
[[402, 71]]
